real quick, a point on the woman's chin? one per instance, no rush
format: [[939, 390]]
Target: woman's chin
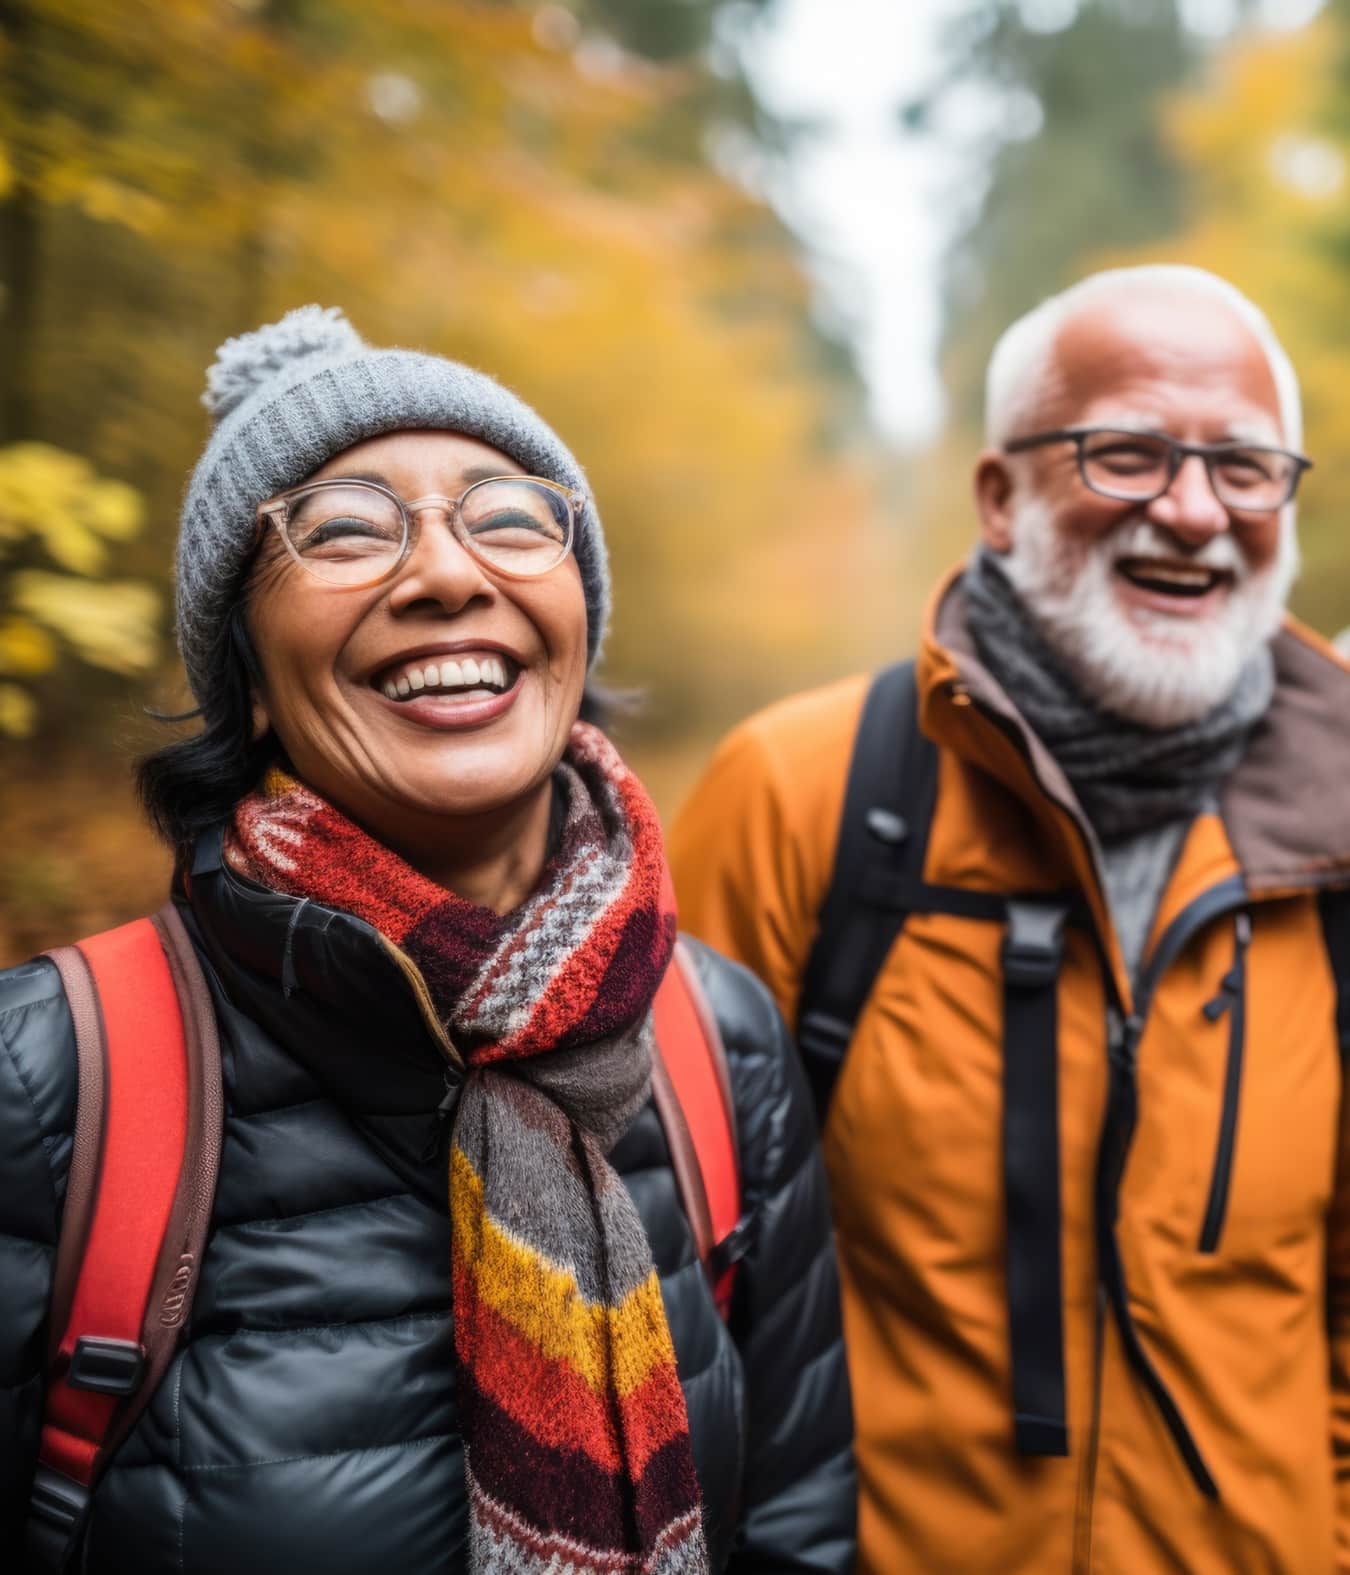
[[464, 791]]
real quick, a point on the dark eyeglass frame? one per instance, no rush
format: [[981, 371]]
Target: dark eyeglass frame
[[1177, 454], [274, 511]]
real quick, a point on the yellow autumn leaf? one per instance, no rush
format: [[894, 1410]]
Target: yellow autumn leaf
[[72, 544], [26, 649], [34, 479], [113, 202], [17, 711], [112, 625], [59, 498], [113, 509]]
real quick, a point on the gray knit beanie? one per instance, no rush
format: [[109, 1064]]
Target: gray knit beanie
[[289, 396]]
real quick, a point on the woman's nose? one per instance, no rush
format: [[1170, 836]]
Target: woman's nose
[[439, 567]]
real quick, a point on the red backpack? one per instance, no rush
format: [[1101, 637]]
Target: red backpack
[[148, 1126]]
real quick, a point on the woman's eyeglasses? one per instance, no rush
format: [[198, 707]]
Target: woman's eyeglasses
[[357, 533]]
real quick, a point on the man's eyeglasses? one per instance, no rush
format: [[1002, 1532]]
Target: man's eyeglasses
[[357, 533], [1136, 467]]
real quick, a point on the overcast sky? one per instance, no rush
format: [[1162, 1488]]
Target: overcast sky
[[870, 201]]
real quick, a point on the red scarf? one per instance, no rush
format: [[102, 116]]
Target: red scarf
[[576, 1438]]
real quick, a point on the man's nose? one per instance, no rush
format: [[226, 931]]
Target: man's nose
[[1189, 508]]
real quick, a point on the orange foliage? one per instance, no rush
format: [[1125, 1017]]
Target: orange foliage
[[457, 176]]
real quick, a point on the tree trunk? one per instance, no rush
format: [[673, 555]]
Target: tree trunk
[[20, 234]]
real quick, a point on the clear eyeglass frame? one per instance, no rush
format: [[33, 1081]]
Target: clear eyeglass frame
[[1212, 455], [275, 511]]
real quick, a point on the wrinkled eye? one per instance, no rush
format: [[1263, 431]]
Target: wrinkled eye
[[1127, 456], [502, 524], [1246, 467], [348, 534], [523, 526]]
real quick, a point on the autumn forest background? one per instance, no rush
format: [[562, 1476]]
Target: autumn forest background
[[557, 193]]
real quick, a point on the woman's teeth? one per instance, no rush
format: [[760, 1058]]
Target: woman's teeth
[[446, 677]]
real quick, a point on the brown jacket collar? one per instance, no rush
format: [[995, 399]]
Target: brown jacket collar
[[1287, 806]]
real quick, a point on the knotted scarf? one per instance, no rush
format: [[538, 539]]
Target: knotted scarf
[[576, 1438], [1128, 778]]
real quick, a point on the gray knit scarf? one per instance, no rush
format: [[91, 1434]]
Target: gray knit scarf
[[1128, 778]]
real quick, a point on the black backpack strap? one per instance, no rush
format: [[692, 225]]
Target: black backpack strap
[[1334, 909], [877, 883], [883, 834], [1033, 954]]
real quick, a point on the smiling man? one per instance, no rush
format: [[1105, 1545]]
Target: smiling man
[[1060, 911]]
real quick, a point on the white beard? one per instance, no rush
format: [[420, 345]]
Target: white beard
[[1148, 667]]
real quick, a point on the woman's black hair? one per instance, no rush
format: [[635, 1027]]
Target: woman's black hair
[[194, 783]]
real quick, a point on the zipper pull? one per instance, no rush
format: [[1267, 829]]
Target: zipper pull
[[440, 1118], [1124, 1040], [1230, 986]]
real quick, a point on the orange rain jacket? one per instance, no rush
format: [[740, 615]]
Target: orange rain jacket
[[1250, 1334]]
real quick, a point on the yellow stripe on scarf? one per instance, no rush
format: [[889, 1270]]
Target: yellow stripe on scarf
[[545, 1303]]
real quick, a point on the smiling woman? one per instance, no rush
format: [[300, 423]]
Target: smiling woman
[[450, 1311], [426, 677]]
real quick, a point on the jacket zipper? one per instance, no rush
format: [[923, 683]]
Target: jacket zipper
[[1117, 1135], [1232, 999], [440, 1117], [1122, 1111], [1087, 1477]]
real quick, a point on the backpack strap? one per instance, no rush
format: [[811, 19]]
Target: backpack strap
[[877, 883], [1334, 910], [691, 1089], [878, 874], [138, 1201], [883, 834], [1032, 956]]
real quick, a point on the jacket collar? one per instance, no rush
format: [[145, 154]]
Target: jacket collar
[[334, 995], [1283, 807]]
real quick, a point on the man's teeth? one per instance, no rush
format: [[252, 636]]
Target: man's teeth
[[1179, 576], [1183, 576], [467, 672]]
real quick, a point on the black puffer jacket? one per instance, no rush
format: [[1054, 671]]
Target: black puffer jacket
[[308, 1421]]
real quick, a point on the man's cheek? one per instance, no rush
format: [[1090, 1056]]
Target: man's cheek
[[1069, 556], [1260, 551]]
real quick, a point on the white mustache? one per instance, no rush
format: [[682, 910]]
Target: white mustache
[[1144, 539]]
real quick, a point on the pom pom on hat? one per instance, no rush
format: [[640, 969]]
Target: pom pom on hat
[[247, 361]]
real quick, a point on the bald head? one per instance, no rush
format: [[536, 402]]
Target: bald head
[[1035, 356]]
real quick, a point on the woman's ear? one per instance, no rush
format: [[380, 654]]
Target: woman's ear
[[994, 487], [258, 711]]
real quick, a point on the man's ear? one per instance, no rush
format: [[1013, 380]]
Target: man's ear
[[994, 486], [261, 720]]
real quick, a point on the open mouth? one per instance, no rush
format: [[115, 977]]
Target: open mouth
[[487, 672], [1166, 577]]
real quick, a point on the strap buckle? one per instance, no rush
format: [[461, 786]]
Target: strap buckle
[[1033, 947], [820, 1034], [732, 1247], [56, 1511], [107, 1367]]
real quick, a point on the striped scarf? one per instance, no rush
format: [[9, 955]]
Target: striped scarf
[[576, 1438]]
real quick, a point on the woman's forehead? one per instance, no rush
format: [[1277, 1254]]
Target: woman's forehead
[[415, 462]]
